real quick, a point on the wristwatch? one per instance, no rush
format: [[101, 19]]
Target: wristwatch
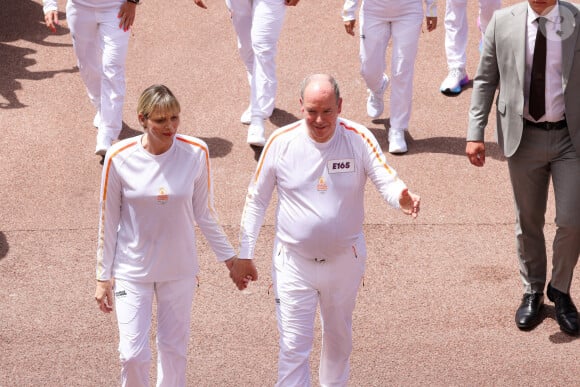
[[133, 1]]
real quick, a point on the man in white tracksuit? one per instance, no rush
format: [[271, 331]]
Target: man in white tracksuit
[[319, 166], [258, 24], [379, 21], [456, 40], [100, 34]]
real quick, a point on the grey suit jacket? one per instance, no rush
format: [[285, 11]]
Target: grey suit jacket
[[502, 64]]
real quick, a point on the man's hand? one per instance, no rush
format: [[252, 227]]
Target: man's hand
[[431, 22], [242, 271], [409, 203], [127, 15], [475, 151], [104, 295], [200, 4], [349, 26], [51, 20]]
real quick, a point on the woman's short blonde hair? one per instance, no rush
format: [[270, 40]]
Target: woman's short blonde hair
[[157, 98]]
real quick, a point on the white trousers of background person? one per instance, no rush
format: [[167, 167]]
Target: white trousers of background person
[[375, 32], [133, 305], [258, 24], [101, 49], [456, 28], [300, 284]]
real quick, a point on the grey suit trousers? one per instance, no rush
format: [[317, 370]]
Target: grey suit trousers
[[543, 154]]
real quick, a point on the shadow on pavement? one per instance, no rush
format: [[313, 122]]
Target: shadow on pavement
[[23, 20], [3, 245]]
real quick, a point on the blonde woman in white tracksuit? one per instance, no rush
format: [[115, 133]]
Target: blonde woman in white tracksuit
[[154, 189], [258, 24], [381, 21], [100, 34]]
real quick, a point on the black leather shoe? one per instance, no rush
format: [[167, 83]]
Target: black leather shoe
[[566, 312], [528, 314]]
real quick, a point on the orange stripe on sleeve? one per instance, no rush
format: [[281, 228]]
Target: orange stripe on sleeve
[[370, 144], [265, 151]]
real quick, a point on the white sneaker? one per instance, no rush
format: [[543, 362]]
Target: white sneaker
[[97, 120], [375, 103], [246, 117], [397, 142], [456, 79], [103, 145], [256, 134]]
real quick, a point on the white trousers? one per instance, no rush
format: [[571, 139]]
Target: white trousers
[[376, 32], [101, 49], [456, 28], [133, 305], [258, 24], [300, 284]]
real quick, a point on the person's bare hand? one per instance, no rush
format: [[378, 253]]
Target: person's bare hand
[[431, 22], [475, 151], [242, 271], [104, 295], [349, 26], [200, 4], [51, 20], [409, 203], [127, 15]]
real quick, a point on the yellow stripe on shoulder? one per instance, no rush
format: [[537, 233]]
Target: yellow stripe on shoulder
[[371, 145]]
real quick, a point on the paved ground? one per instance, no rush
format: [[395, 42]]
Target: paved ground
[[440, 292]]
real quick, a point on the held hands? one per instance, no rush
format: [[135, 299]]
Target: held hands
[[242, 271], [409, 203], [431, 22], [104, 295], [475, 151], [349, 26], [127, 15], [51, 20]]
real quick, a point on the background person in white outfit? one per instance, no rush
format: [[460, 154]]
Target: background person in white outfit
[[100, 34], [379, 21], [258, 24], [154, 189], [456, 40], [319, 166]]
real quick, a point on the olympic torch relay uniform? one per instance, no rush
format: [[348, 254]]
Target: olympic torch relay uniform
[[320, 252], [101, 50], [381, 21], [149, 206]]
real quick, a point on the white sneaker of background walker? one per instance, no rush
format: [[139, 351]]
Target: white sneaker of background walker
[[256, 134], [103, 145], [456, 79], [246, 117], [397, 142], [375, 103]]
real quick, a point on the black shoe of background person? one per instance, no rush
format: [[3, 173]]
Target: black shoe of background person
[[566, 312], [528, 314]]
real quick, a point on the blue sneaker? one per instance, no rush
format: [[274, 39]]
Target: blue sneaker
[[456, 79]]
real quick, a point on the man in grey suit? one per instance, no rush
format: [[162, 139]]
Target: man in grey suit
[[535, 61]]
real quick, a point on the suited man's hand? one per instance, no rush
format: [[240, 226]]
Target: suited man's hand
[[475, 151]]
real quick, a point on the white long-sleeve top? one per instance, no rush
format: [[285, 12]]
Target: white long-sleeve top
[[51, 5], [393, 8], [320, 188], [148, 209]]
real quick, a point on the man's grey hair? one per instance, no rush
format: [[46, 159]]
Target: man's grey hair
[[330, 79]]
